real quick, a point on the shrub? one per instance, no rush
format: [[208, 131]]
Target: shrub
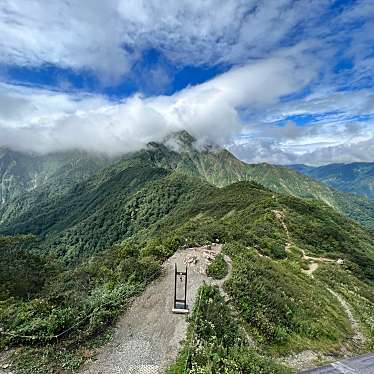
[[216, 344], [218, 268]]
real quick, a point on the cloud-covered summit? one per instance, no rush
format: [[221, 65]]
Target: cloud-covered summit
[[44, 121]]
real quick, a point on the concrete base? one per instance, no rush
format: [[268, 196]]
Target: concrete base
[[180, 311]]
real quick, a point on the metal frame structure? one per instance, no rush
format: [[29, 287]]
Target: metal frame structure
[[180, 302]]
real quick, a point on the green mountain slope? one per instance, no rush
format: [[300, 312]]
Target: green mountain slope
[[220, 168], [29, 180], [53, 174], [160, 210], [357, 177], [102, 240], [86, 203]]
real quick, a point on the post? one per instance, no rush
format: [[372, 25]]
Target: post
[[175, 286], [185, 290]]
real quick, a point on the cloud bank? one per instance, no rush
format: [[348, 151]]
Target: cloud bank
[[314, 145], [43, 121]]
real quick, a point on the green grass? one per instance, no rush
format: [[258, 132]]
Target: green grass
[[359, 295], [218, 268], [284, 309], [215, 342]]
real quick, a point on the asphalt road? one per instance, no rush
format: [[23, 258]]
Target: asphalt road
[[357, 365]]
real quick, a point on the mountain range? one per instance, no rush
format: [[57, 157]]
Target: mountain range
[[78, 245], [26, 172], [357, 177], [59, 179]]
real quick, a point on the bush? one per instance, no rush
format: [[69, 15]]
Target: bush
[[216, 344], [218, 268]]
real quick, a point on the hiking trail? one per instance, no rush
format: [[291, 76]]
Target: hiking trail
[[148, 336]]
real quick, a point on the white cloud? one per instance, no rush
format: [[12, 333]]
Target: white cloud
[[338, 127], [42, 121], [69, 34], [325, 142], [92, 34]]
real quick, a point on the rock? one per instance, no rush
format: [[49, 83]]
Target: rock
[[191, 259]]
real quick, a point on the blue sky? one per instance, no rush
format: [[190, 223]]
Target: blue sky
[[281, 81]]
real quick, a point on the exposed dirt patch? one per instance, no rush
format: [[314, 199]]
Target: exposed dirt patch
[[314, 261], [307, 360], [5, 367], [312, 268]]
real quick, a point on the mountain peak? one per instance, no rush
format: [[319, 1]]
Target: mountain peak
[[180, 139], [184, 137]]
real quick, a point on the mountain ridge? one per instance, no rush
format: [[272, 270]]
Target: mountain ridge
[[355, 177], [24, 172], [213, 164]]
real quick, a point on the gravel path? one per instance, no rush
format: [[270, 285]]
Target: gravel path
[[147, 338]]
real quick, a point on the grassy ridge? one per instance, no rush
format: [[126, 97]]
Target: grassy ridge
[[284, 309], [40, 211], [296, 314]]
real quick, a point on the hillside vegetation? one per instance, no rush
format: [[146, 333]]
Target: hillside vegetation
[[41, 214], [29, 179], [99, 244], [92, 290]]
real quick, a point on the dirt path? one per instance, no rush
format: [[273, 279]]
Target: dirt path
[[314, 261], [4, 362], [279, 215], [147, 338], [358, 338]]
